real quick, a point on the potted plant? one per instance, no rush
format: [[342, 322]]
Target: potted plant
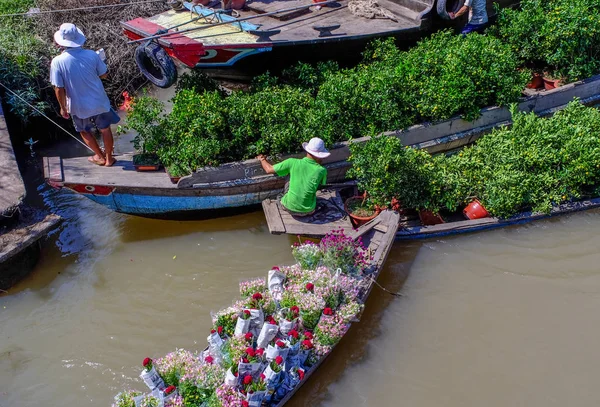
[[144, 119], [391, 172], [176, 172], [360, 209]]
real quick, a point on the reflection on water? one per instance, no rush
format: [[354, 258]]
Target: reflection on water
[[507, 317]]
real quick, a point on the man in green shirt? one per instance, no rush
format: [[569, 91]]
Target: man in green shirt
[[306, 175]]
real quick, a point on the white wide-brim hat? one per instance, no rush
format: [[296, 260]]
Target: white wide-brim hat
[[68, 35], [316, 147]]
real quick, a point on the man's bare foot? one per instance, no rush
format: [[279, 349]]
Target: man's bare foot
[[110, 160], [96, 159]]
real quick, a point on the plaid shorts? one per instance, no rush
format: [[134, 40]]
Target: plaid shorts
[[101, 121]]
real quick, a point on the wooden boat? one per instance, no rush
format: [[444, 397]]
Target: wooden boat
[[331, 216], [271, 34], [378, 237], [240, 184], [456, 224]]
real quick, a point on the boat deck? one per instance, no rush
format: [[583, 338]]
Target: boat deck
[[79, 170], [290, 27], [329, 216]]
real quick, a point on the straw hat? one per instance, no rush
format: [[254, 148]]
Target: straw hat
[[316, 147], [68, 35]]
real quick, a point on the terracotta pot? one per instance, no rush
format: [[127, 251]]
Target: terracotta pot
[[140, 164], [537, 82], [359, 220], [475, 210], [238, 4], [551, 83], [428, 218]]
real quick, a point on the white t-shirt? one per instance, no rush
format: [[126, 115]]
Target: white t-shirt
[[78, 70], [477, 11]]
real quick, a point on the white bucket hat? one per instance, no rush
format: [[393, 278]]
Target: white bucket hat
[[316, 147], [68, 35]]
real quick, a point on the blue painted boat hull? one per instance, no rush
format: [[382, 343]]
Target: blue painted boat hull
[[164, 206]]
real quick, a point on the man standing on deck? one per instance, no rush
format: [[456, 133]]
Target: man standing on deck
[[478, 17], [306, 176], [77, 75]]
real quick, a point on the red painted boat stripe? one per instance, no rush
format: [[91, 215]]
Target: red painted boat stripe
[[150, 28]]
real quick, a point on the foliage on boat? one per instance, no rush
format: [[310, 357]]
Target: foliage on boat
[[442, 76], [561, 36], [536, 163]]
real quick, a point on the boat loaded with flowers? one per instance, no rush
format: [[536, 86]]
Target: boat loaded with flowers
[[269, 342]]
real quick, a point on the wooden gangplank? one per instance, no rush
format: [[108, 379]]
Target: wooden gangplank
[[329, 216]]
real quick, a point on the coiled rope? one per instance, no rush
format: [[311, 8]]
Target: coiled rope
[[36, 12]]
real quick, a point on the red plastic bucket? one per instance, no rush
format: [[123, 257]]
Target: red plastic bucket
[[475, 210]]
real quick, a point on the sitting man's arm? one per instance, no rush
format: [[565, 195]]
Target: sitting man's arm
[[266, 166]]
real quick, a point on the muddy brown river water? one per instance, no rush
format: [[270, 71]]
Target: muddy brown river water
[[500, 318]]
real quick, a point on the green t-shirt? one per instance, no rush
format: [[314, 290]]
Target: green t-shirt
[[306, 175]]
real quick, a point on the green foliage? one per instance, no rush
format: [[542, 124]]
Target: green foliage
[[307, 76], [534, 164], [193, 396], [446, 75], [386, 169], [195, 132], [22, 59], [268, 121], [144, 118], [560, 35]]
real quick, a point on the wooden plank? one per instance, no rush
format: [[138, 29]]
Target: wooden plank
[[274, 221], [355, 234]]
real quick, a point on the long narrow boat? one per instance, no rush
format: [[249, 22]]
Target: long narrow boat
[[239, 184], [269, 34], [378, 237], [412, 229], [331, 215]]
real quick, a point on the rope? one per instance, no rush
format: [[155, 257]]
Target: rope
[[385, 289], [370, 9], [41, 113], [33, 13]]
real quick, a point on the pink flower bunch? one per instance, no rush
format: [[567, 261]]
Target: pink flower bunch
[[176, 363], [341, 251], [350, 286], [229, 396], [237, 346], [249, 287], [293, 273], [348, 312], [206, 376], [329, 330], [176, 401]]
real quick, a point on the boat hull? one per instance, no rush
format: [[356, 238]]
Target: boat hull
[[469, 226], [165, 204]]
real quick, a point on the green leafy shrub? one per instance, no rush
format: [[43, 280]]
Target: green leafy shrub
[[144, 118], [386, 169], [534, 164], [22, 59], [560, 35], [268, 122], [195, 132], [446, 75]]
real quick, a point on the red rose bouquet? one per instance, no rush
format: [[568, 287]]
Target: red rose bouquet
[[150, 376]]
